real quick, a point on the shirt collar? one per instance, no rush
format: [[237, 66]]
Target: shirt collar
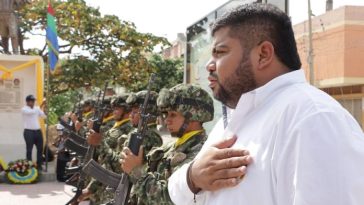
[[186, 137], [121, 122], [255, 97], [107, 119]]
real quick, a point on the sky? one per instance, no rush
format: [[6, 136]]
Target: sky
[[168, 17]]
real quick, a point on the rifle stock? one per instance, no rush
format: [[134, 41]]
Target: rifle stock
[[73, 170], [122, 193], [75, 137], [91, 149], [75, 147], [118, 182]]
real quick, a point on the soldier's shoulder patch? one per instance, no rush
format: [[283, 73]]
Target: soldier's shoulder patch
[[177, 158], [156, 154]]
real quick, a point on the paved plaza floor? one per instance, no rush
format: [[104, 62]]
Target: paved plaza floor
[[43, 193]]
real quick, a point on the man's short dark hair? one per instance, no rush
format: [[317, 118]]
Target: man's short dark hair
[[255, 23], [30, 98]]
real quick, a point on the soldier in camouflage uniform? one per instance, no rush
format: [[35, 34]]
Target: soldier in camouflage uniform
[[187, 107], [108, 118], [152, 138], [88, 108], [109, 138]]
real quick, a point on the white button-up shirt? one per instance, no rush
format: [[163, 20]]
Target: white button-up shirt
[[31, 117], [306, 149]]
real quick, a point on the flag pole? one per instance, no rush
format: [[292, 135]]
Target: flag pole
[[47, 119], [52, 42]]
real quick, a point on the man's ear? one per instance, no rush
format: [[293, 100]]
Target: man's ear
[[266, 54]]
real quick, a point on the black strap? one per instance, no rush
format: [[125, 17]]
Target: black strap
[[195, 103], [184, 126]]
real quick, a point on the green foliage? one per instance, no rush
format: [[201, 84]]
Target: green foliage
[[93, 48], [169, 71], [59, 104]]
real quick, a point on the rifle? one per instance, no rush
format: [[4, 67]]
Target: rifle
[[68, 130], [78, 109], [73, 170], [91, 149], [120, 182], [75, 147], [75, 137]]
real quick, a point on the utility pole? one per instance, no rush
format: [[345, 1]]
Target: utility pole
[[310, 48], [329, 5]]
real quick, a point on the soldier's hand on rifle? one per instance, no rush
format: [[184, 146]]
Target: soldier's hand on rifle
[[86, 193], [128, 161], [74, 162], [78, 126], [66, 116], [73, 117], [94, 138], [90, 124]]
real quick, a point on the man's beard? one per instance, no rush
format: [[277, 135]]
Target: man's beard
[[240, 82]]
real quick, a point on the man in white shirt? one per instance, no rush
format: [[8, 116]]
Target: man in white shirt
[[304, 147], [32, 132]]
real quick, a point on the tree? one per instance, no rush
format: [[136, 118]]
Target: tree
[[169, 71], [93, 48]]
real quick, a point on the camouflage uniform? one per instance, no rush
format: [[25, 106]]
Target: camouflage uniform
[[151, 139], [110, 140], [107, 122], [86, 117], [96, 187], [151, 180], [108, 144]]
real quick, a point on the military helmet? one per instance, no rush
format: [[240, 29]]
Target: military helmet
[[88, 102], [120, 101], [191, 101], [137, 99], [107, 101]]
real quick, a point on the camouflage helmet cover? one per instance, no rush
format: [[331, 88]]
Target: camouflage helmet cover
[[88, 102], [137, 99], [107, 101], [190, 100], [120, 101]]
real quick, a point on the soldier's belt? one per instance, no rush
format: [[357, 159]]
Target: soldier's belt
[[75, 147]]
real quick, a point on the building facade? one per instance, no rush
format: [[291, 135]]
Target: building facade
[[338, 51]]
